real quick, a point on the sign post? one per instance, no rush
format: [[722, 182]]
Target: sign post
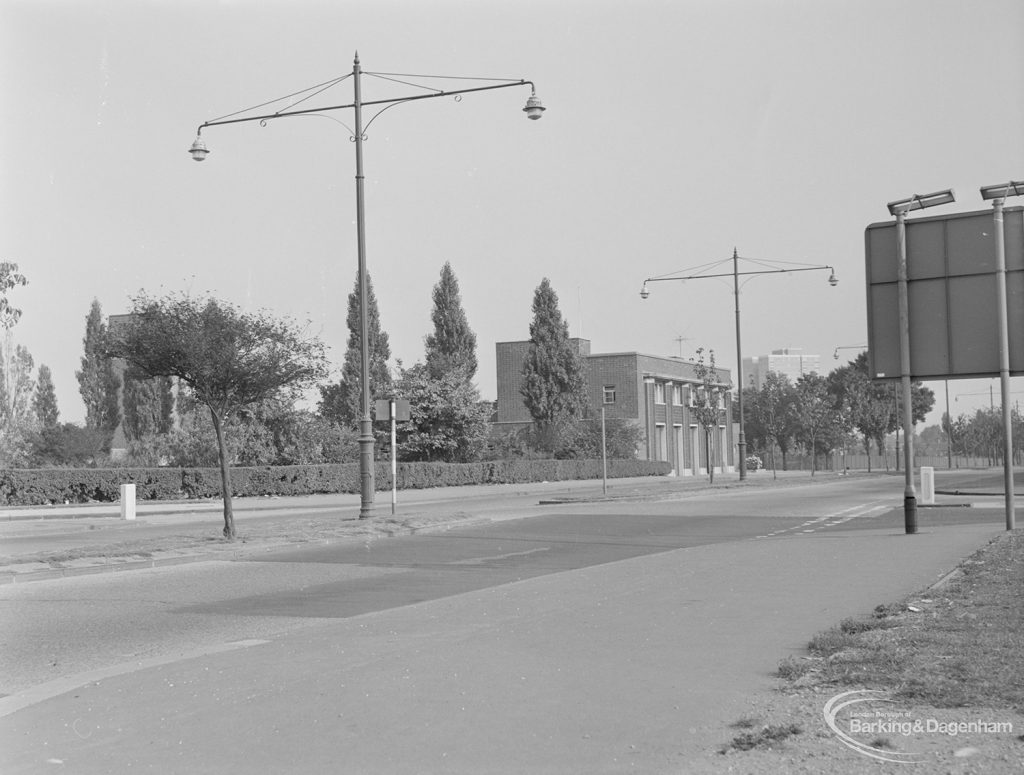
[[393, 409]]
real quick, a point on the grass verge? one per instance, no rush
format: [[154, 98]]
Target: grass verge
[[958, 645]]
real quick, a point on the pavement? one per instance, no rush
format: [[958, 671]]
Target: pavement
[[636, 665]]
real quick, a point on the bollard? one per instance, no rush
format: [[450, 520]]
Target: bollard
[[927, 485], [127, 501]]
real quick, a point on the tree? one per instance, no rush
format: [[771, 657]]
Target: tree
[[10, 278], [44, 401], [452, 345], [448, 422], [815, 413], [706, 402], [773, 408], [227, 358], [98, 381], [341, 402], [554, 387], [17, 420], [148, 405]]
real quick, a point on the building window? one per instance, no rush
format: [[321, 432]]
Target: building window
[[609, 394], [659, 392], [677, 395]]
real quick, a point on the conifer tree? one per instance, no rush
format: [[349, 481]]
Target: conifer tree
[[452, 345], [341, 401], [44, 402], [554, 387], [98, 381]]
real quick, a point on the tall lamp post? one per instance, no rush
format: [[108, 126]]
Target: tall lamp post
[[998, 194], [900, 209], [534, 109], [741, 442]]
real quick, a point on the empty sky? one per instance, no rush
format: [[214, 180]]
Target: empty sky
[[675, 131]]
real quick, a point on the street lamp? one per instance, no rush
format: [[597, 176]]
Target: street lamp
[[534, 110], [741, 442], [900, 208], [835, 355], [997, 194]]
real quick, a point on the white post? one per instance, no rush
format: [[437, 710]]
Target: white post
[[928, 485], [394, 460], [127, 501]]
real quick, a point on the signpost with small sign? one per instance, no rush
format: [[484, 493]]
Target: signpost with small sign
[[396, 410]]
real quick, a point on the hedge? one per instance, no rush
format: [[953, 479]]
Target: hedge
[[30, 487]]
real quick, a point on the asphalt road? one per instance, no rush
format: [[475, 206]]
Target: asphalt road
[[402, 612]]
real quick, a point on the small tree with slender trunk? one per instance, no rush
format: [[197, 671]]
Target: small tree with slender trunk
[[229, 359], [706, 406]]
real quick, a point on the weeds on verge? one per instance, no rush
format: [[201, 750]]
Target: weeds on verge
[[960, 645], [767, 737]]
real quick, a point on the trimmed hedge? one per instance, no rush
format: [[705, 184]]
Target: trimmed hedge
[[31, 487]]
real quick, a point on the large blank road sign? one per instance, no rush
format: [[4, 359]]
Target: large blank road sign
[[951, 294]]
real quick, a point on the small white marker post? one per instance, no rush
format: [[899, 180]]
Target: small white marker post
[[928, 485], [394, 461], [128, 501]]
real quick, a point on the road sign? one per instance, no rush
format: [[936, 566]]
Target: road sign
[[951, 287], [382, 409]]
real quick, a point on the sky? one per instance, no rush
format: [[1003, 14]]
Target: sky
[[675, 132]]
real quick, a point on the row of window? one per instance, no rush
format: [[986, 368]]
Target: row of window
[[659, 394]]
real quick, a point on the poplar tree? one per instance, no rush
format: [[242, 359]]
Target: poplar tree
[[44, 402], [98, 382], [341, 401], [452, 345], [553, 387]]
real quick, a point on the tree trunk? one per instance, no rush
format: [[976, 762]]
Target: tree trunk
[[711, 462], [225, 476]]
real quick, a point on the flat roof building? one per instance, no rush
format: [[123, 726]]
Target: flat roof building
[[655, 393]]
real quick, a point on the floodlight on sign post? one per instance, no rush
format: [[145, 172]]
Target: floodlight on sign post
[[900, 208], [534, 109], [997, 194]]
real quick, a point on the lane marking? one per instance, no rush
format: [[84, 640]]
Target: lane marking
[[482, 560], [59, 686]]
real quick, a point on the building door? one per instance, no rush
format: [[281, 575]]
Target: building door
[[680, 458]]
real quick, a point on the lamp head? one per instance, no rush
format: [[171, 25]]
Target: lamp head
[[920, 201], [198, 149], [1003, 190], [534, 108], [832, 279], [644, 293]]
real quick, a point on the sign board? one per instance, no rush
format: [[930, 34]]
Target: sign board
[[951, 294], [382, 410]]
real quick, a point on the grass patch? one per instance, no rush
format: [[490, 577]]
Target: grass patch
[[767, 737], [959, 645]]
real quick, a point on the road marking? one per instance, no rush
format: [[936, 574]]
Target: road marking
[[59, 686], [482, 560], [860, 511]]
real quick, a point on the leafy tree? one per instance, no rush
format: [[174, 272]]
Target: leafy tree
[[68, 445], [10, 278], [815, 413], [229, 359], [452, 345], [98, 380], [148, 405], [341, 402], [17, 419], [554, 387], [707, 402], [44, 401], [773, 409], [448, 422]]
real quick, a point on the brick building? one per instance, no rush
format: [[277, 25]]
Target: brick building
[[652, 392]]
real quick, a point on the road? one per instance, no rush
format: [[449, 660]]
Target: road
[[509, 646]]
